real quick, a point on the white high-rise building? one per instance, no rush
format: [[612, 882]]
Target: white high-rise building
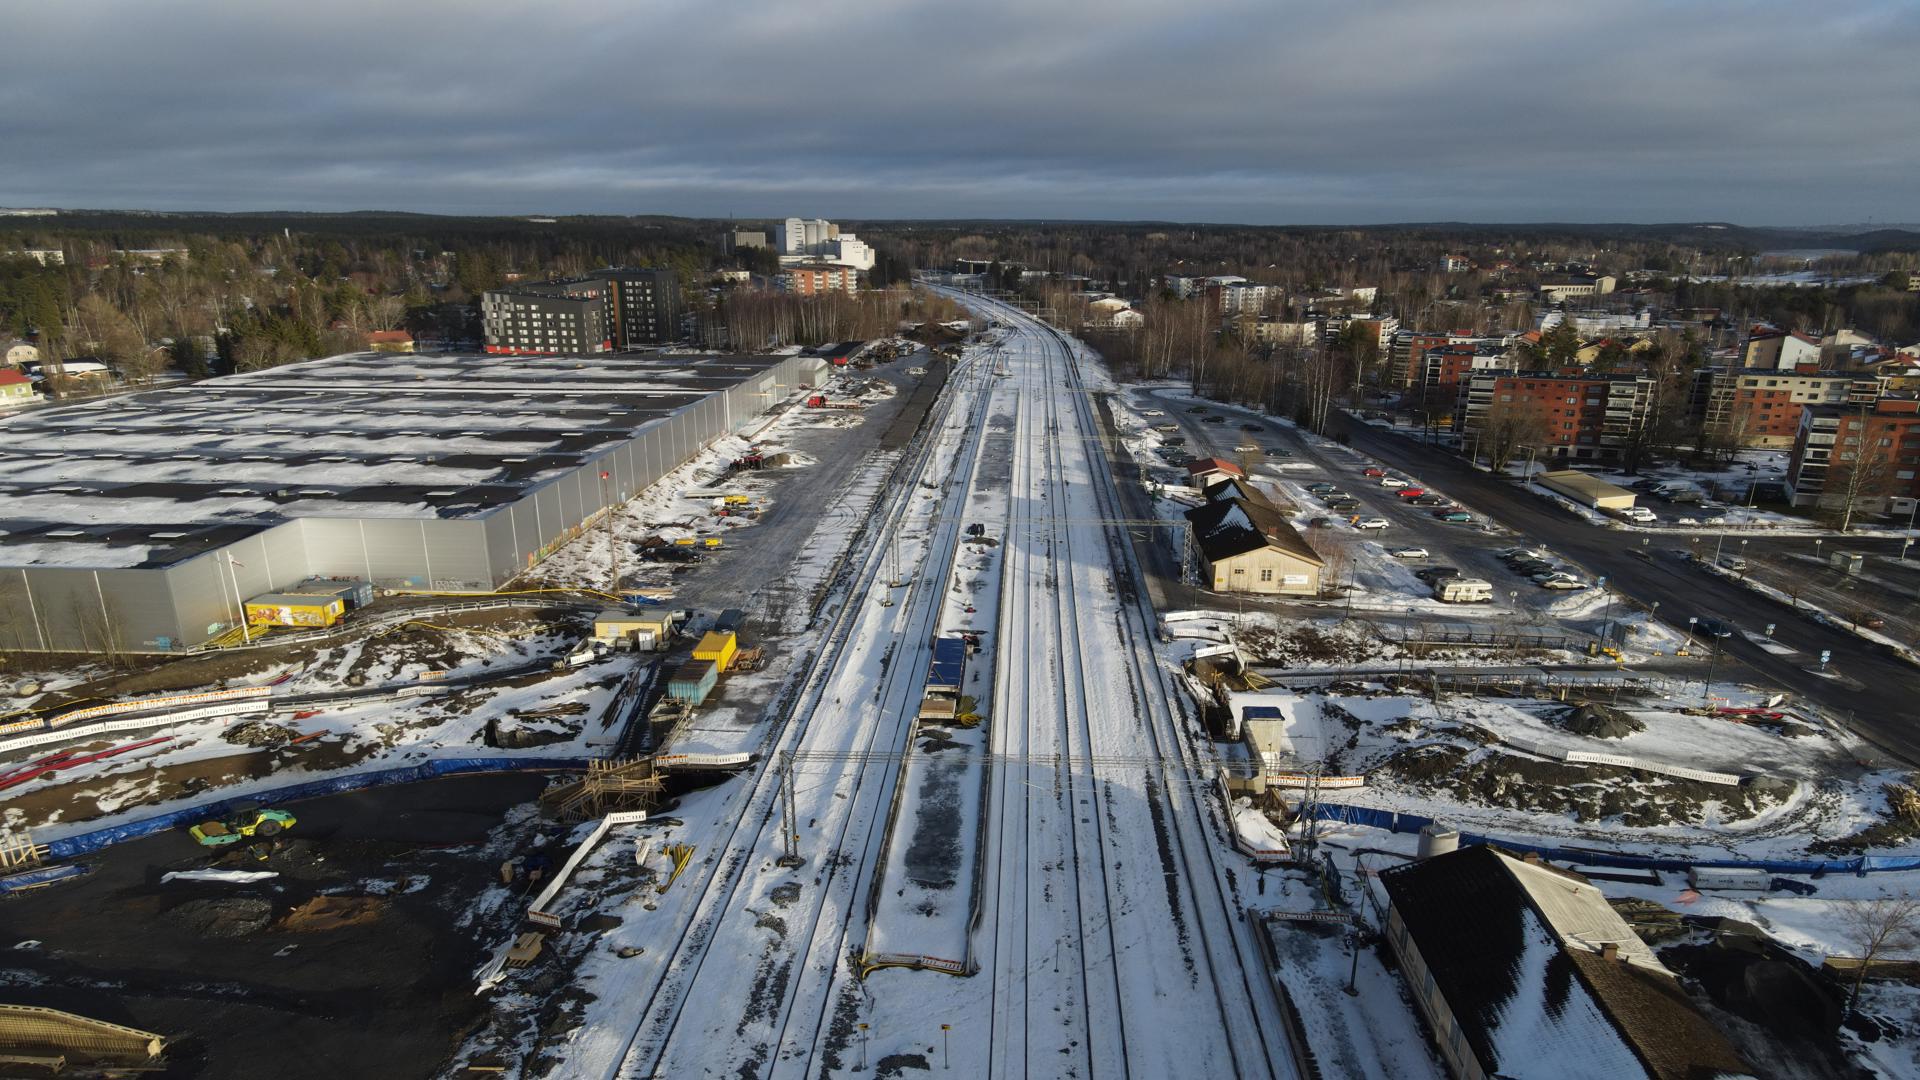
[[805, 236]]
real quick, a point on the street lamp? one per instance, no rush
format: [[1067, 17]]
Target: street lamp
[[1743, 558], [1692, 621]]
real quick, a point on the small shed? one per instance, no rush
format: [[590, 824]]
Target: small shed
[[692, 681], [295, 609], [1586, 490], [627, 627], [717, 646]]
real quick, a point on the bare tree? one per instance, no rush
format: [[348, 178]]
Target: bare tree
[[1874, 928], [1505, 430]]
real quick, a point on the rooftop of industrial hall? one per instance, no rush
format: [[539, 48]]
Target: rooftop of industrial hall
[[158, 476]]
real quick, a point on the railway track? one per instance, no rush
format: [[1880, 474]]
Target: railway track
[[662, 1031]]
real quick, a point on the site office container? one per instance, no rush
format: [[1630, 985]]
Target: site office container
[[717, 646], [294, 609], [357, 594], [692, 681], [1464, 590]]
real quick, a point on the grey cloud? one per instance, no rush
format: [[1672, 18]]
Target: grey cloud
[[1248, 111]]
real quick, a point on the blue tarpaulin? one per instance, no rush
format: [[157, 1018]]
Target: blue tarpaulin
[[949, 665], [82, 843]]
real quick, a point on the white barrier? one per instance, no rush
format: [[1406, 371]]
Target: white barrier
[[716, 761], [145, 704], [537, 911], [1293, 780], [239, 708]]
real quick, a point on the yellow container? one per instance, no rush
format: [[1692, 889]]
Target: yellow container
[[717, 646], [292, 609], [712, 541], [685, 541]]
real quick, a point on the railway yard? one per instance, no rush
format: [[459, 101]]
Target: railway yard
[[910, 737]]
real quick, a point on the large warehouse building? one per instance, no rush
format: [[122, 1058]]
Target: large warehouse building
[[140, 524]]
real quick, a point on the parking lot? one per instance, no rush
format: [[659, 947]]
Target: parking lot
[[1359, 512]]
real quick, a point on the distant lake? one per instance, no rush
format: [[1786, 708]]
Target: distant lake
[[1807, 254]]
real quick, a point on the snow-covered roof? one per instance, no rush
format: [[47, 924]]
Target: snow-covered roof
[[125, 480], [1225, 528], [1518, 951]]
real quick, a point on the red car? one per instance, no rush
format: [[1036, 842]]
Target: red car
[[1411, 493], [1373, 472]]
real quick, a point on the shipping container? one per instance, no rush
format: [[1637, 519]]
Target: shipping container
[[289, 609], [692, 681], [730, 620], [357, 594], [717, 646]]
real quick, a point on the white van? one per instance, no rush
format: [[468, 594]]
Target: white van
[[1640, 515], [1464, 590]]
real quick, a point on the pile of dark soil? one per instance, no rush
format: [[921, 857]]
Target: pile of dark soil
[[260, 733], [333, 913], [1598, 721], [1585, 792], [226, 917]]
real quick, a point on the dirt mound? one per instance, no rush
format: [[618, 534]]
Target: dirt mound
[[333, 913], [1599, 721], [1587, 793], [260, 733], [228, 917]]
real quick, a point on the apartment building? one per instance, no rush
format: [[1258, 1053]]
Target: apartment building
[[1761, 409], [1874, 450], [1574, 417], [816, 279], [1445, 369], [1244, 297], [820, 240], [1277, 331], [1559, 288], [615, 308], [1780, 350]]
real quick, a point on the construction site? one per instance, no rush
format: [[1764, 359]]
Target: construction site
[[352, 822]]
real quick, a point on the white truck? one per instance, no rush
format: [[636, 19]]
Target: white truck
[[1463, 590]]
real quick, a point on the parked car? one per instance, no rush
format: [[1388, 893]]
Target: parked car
[[1392, 482], [1457, 516], [1534, 566], [1714, 628], [1198, 408], [1434, 574], [1430, 499], [1409, 553], [1213, 419], [1411, 493], [1320, 523], [1250, 427], [1371, 523], [1177, 440], [1373, 472], [1639, 515], [1246, 448], [1562, 583], [1734, 563], [1319, 486], [1166, 427], [1152, 412], [1279, 453]]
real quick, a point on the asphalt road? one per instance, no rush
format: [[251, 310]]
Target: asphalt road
[[1873, 692]]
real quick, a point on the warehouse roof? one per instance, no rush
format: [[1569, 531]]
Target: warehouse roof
[[1586, 484], [150, 479]]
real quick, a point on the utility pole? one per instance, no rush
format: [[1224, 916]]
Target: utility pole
[[790, 819], [613, 545], [246, 634]]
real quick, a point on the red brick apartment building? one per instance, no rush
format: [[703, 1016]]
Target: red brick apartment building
[[1761, 408], [818, 280], [1834, 439], [1583, 417]]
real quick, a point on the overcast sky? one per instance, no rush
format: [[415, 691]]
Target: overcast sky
[[1270, 111]]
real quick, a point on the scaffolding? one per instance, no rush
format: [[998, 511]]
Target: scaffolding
[[610, 785]]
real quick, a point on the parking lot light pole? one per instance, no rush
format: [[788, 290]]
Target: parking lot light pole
[[1706, 688], [1692, 622]]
